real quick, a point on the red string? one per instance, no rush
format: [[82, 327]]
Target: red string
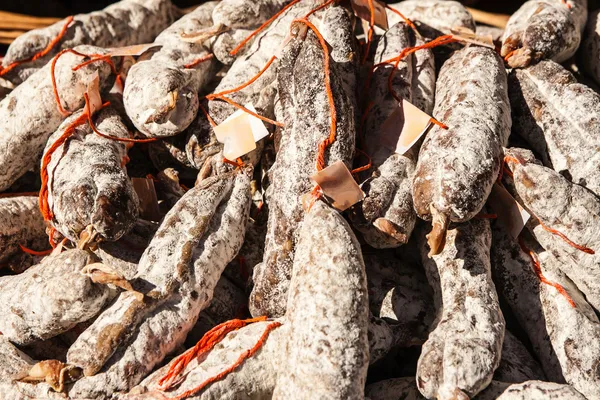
[[63, 112], [221, 96], [509, 55], [440, 41], [365, 167], [206, 344], [370, 33], [239, 106], [566, 239], [95, 58], [260, 28], [115, 138], [319, 8], [512, 159], [569, 6], [538, 271], [210, 120], [406, 20], [119, 139], [199, 61], [43, 53], [51, 237], [553, 231], [43, 196], [315, 195], [44, 206], [332, 111], [238, 163], [245, 85], [259, 208], [243, 357], [34, 252]]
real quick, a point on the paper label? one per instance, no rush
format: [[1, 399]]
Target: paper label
[[135, 50], [127, 62], [203, 35], [509, 211], [240, 132], [58, 249], [468, 36], [404, 127], [337, 183], [362, 11], [146, 192], [93, 92]]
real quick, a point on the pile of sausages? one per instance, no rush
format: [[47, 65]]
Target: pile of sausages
[[138, 262]]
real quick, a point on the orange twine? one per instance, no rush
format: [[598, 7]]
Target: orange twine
[[538, 271], [44, 206], [43, 196], [319, 8], [406, 20], [260, 28], [34, 252], [370, 33], [199, 61], [207, 343], [553, 231], [366, 166]]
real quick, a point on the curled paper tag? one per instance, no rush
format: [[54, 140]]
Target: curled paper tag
[[240, 132], [509, 211], [127, 62], [337, 183], [204, 34], [404, 127], [135, 50], [93, 92], [362, 11], [468, 36], [146, 192], [58, 249]]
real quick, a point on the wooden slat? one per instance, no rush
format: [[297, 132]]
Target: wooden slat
[[13, 25], [28, 19], [10, 34], [483, 17]]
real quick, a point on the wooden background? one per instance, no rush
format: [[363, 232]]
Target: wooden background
[[63, 8], [10, 25]]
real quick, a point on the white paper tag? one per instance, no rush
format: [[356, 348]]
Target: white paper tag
[[468, 36], [509, 211], [93, 92], [404, 127], [337, 183], [240, 132], [135, 50]]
